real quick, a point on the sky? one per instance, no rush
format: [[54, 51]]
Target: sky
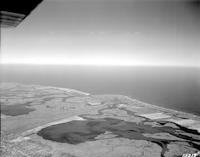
[[106, 32]]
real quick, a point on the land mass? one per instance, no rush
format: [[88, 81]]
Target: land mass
[[44, 121]]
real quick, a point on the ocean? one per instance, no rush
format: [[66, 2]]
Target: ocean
[[171, 87]]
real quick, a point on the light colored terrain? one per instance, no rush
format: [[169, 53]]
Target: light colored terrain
[[57, 105]]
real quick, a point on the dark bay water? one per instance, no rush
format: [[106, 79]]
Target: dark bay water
[[75, 132], [172, 87], [15, 110]]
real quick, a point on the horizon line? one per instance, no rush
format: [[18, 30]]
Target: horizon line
[[103, 65]]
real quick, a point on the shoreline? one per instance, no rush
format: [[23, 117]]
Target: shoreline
[[89, 94], [164, 108]]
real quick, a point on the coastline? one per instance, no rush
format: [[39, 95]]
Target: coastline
[[188, 120], [67, 110], [89, 94]]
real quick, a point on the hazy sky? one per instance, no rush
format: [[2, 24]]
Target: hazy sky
[[106, 32]]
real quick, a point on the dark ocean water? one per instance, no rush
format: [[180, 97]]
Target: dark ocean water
[[171, 87]]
